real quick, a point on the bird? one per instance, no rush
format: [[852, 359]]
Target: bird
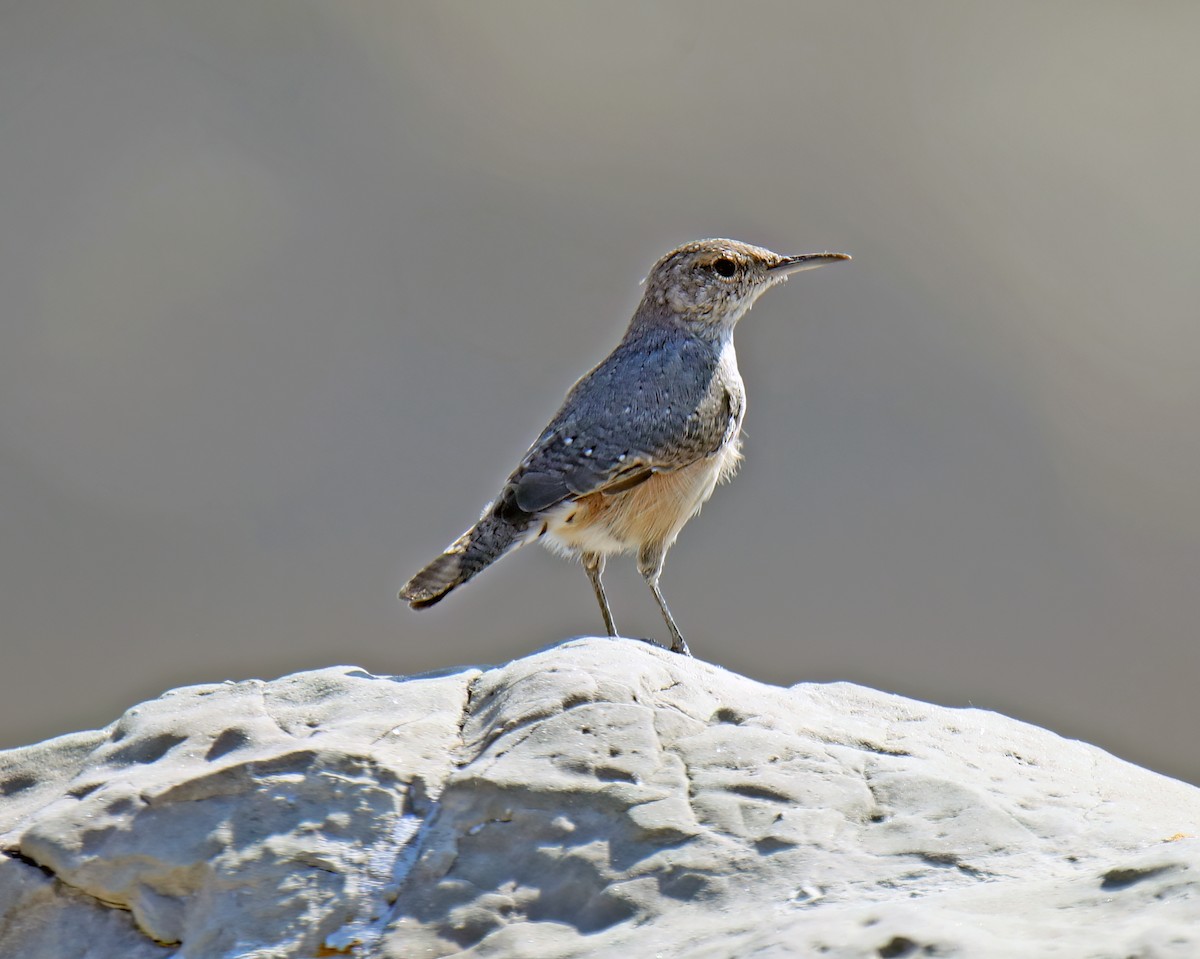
[[642, 440]]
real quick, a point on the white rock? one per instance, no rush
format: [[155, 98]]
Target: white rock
[[603, 798]]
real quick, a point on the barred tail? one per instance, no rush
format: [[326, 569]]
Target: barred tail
[[474, 551]]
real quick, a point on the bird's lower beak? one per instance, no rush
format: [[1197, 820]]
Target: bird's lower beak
[[806, 261]]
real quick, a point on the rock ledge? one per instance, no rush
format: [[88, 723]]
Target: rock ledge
[[602, 798]]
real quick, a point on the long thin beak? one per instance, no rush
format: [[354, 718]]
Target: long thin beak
[[807, 261]]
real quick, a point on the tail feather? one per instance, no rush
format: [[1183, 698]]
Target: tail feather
[[470, 554]]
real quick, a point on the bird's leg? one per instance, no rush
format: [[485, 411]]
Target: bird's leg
[[650, 564], [678, 645], [593, 565]]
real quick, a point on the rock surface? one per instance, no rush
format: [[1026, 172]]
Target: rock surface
[[602, 798]]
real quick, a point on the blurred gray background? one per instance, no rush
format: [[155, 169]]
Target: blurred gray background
[[287, 287]]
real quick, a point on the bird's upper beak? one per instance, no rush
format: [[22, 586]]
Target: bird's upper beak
[[806, 261]]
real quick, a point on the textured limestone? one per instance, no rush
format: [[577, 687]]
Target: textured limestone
[[601, 798]]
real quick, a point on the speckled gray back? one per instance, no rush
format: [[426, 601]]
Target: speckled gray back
[[661, 400]]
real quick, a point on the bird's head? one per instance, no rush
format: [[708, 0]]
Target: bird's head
[[710, 284]]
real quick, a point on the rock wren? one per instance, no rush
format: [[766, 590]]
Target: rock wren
[[640, 442]]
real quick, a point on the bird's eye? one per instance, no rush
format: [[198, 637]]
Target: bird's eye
[[724, 267]]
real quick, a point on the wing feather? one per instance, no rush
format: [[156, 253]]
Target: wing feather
[[654, 405]]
